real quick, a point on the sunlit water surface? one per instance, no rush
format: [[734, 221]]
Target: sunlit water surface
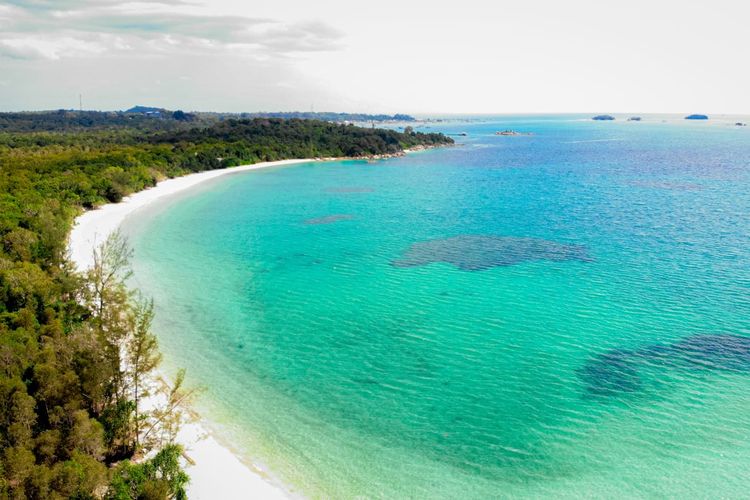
[[561, 314]]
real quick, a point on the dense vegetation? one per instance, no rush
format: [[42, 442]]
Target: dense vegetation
[[260, 139], [75, 350], [64, 120], [75, 354], [87, 167], [287, 115], [332, 117], [146, 118]]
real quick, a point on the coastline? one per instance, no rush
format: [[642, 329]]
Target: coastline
[[92, 227], [214, 470]]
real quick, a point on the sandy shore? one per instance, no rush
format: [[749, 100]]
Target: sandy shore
[[216, 473], [93, 227]]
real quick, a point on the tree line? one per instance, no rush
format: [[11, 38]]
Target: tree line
[[147, 118]]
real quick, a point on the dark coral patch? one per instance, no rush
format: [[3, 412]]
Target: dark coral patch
[[479, 252], [617, 371], [716, 352], [611, 373]]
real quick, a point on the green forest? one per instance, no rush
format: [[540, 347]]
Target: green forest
[[146, 118], [76, 349]]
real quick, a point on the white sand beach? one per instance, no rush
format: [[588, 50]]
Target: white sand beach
[[216, 473], [92, 227]]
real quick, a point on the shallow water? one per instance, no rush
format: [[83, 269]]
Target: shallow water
[[555, 314]]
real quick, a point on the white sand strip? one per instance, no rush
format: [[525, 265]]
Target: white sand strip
[[92, 228], [217, 473]]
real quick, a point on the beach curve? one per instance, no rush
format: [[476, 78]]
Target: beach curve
[[214, 470]]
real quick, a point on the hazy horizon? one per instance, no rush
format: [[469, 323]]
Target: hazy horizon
[[418, 58], [621, 115], [436, 115]]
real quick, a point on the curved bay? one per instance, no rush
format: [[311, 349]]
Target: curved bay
[[336, 356]]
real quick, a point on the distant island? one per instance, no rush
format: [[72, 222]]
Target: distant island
[[603, 117], [696, 117], [634, 119], [511, 132]]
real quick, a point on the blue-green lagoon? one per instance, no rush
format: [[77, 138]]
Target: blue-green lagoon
[[563, 314]]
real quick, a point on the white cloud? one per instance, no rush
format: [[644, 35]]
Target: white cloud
[[54, 30], [51, 47]]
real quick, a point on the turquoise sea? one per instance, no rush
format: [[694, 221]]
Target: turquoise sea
[[562, 315]]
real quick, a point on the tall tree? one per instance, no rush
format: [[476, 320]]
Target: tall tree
[[112, 321], [142, 355]]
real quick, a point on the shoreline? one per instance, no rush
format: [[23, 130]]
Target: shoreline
[[215, 471], [92, 227]]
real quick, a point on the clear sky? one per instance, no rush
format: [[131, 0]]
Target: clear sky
[[452, 56]]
